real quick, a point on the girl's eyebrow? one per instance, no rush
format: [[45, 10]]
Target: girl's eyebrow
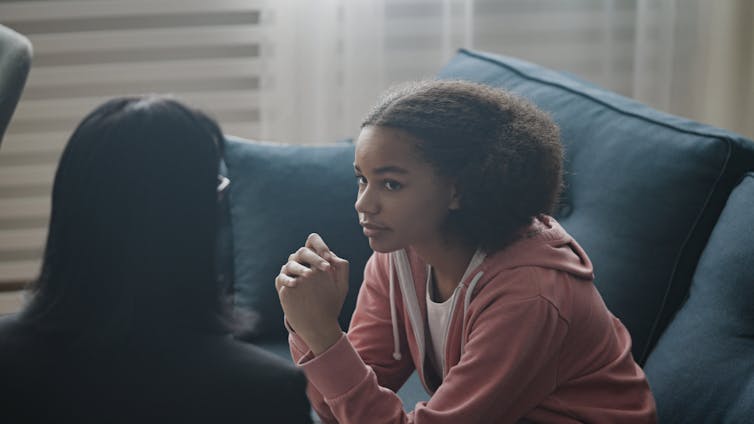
[[389, 169]]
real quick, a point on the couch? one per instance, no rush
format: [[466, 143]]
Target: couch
[[663, 205]]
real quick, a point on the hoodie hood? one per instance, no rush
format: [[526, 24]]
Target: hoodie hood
[[544, 244]]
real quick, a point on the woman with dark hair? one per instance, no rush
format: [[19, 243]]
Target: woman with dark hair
[[126, 322]]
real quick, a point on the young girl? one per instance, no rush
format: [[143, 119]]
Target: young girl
[[471, 283]]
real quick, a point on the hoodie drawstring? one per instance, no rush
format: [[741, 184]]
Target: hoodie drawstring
[[466, 301], [396, 337]]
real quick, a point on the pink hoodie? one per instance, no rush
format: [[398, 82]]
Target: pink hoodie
[[529, 338]]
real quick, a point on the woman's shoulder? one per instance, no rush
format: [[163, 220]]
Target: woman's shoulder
[[243, 370], [240, 358], [246, 351], [16, 334], [7, 322], [8, 335]]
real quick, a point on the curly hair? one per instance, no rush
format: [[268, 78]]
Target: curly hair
[[503, 153]]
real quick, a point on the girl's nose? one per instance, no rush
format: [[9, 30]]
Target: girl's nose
[[366, 203]]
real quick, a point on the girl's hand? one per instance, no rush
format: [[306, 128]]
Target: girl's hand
[[312, 287]]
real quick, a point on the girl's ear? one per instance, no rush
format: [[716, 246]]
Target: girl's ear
[[455, 197]]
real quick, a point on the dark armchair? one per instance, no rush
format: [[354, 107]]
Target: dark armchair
[[15, 60]]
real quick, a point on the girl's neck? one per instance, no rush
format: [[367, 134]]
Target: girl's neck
[[449, 262]]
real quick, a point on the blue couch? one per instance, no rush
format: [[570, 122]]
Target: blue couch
[[663, 205]]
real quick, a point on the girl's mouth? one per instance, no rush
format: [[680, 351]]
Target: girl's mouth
[[371, 230]]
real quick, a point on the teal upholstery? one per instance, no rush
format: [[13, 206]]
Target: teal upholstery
[[280, 194], [707, 353], [15, 60]]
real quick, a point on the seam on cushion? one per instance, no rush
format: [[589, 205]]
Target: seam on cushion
[[647, 349], [653, 337], [590, 97], [728, 142]]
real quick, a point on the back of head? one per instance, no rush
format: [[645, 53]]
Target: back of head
[[503, 153], [133, 224]]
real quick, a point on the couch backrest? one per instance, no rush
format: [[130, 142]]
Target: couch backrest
[[278, 195], [643, 188], [702, 369]]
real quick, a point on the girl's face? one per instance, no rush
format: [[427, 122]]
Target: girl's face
[[402, 201]]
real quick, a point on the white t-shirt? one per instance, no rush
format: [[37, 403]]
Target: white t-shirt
[[439, 314], [438, 317]]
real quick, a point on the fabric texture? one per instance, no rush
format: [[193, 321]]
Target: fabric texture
[[160, 375], [535, 341], [643, 188], [279, 194], [707, 353]]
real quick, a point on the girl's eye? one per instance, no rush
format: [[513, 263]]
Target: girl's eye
[[361, 180], [392, 185]]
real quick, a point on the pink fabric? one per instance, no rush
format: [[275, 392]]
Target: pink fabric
[[538, 343]]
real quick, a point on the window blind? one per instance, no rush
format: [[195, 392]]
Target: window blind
[[86, 51]]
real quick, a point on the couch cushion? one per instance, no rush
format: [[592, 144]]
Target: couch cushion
[[707, 353], [278, 195], [643, 188]]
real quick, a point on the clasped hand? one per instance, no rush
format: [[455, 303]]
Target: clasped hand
[[312, 287]]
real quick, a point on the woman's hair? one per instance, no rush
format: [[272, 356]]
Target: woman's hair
[[134, 220], [503, 153]]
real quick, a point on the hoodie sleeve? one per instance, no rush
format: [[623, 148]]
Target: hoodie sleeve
[[509, 366], [367, 349], [300, 352]]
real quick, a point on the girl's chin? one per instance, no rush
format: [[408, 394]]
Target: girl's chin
[[382, 246]]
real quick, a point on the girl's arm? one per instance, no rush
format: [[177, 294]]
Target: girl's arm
[[507, 368], [371, 329], [370, 334]]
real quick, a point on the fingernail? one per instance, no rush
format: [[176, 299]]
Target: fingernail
[[324, 265]]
